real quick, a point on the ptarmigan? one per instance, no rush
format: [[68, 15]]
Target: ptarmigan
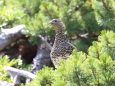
[[61, 48]]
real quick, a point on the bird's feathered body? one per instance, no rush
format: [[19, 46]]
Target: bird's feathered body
[[61, 48]]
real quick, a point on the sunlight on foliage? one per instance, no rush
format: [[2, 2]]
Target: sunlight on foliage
[[94, 17], [79, 16], [10, 12], [82, 69], [4, 63]]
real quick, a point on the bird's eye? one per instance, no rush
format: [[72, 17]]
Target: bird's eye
[[55, 20]]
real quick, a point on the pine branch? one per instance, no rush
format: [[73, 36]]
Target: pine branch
[[105, 5], [80, 6]]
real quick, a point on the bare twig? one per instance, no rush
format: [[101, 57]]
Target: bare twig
[[83, 35]]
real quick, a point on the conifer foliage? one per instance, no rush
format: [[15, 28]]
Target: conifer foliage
[[79, 16], [97, 68]]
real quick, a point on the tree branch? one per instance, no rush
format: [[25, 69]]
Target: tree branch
[[105, 5], [19, 72], [79, 6], [47, 44]]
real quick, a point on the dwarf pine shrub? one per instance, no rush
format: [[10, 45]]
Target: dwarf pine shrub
[[97, 68], [79, 16], [4, 63]]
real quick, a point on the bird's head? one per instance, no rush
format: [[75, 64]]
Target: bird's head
[[57, 24]]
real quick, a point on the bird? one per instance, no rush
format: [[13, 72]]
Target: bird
[[61, 48]]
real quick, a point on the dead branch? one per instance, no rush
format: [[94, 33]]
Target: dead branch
[[4, 83], [14, 72], [9, 36], [45, 41]]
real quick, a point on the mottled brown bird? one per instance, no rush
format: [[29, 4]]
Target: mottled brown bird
[[61, 48]]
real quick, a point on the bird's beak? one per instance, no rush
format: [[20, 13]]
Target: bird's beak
[[50, 23]]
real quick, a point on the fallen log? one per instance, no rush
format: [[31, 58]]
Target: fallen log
[[9, 36], [42, 57]]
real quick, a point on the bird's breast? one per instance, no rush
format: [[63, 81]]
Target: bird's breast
[[61, 50]]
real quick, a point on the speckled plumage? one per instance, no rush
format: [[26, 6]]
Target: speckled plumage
[[61, 47]]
